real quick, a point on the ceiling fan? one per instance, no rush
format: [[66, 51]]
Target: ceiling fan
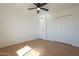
[[39, 6]]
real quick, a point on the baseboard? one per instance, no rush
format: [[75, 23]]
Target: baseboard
[[15, 42], [74, 45]]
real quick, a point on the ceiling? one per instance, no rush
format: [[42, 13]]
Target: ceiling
[[54, 7], [57, 7]]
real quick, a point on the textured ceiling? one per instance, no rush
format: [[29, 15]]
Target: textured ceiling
[[54, 7]]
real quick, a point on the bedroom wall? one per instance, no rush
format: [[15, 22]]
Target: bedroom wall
[[65, 26], [17, 25]]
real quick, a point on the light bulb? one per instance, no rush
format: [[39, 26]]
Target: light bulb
[[38, 8]]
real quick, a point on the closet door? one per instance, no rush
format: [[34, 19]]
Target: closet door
[[65, 29]]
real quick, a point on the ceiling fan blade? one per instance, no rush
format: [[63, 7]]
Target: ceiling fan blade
[[37, 11], [32, 8], [44, 9], [35, 4], [43, 4]]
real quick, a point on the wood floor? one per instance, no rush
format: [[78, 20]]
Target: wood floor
[[43, 47]]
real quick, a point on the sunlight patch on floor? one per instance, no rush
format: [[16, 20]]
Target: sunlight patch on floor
[[27, 51], [32, 53], [23, 50]]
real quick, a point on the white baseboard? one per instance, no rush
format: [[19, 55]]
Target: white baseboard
[[15, 42], [75, 45]]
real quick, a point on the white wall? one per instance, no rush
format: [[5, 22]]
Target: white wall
[[66, 29], [17, 25]]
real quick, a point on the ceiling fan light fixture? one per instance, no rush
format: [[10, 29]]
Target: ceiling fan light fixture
[[38, 8]]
